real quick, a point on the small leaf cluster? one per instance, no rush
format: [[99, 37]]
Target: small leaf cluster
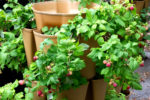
[[8, 92], [51, 31], [13, 54]]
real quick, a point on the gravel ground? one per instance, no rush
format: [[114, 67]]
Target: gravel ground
[[145, 81]]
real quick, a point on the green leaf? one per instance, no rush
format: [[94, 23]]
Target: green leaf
[[100, 40], [109, 29], [137, 36], [83, 29], [100, 54], [121, 32], [114, 58], [29, 96], [45, 29], [46, 42], [147, 37], [136, 85], [105, 71], [90, 34], [102, 33], [13, 53], [85, 46], [133, 63], [19, 96], [102, 27], [94, 26], [120, 22]]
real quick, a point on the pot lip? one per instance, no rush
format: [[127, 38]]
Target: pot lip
[[100, 79], [52, 14], [138, 1], [37, 33], [27, 29]]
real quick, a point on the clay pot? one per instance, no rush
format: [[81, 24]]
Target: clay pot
[[89, 71], [92, 6], [39, 38], [127, 97], [99, 89], [89, 94], [35, 96], [146, 3], [139, 6], [29, 44], [63, 6], [54, 13], [74, 94]]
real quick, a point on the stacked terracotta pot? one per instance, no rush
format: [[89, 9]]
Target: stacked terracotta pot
[[52, 14], [141, 4]]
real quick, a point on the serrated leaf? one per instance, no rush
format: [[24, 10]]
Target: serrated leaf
[[121, 32], [100, 40], [137, 36], [147, 37], [133, 64], [102, 27], [120, 22], [136, 85], [100, 55], [94, 26], [83, 29], [114, 58], [104, 71], [90, 34], [45, 29]]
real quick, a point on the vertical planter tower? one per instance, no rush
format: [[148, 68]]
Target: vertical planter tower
[[56, 13]]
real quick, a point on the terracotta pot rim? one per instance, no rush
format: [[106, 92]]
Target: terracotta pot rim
[[37, 33], [139, 1], [27, 29], [53, 14], [97, 79]]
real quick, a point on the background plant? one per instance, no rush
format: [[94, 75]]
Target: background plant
[[12, 47], [145, 15], [8, 92]]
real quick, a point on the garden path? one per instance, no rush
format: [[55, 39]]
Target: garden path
[[145, 82]]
